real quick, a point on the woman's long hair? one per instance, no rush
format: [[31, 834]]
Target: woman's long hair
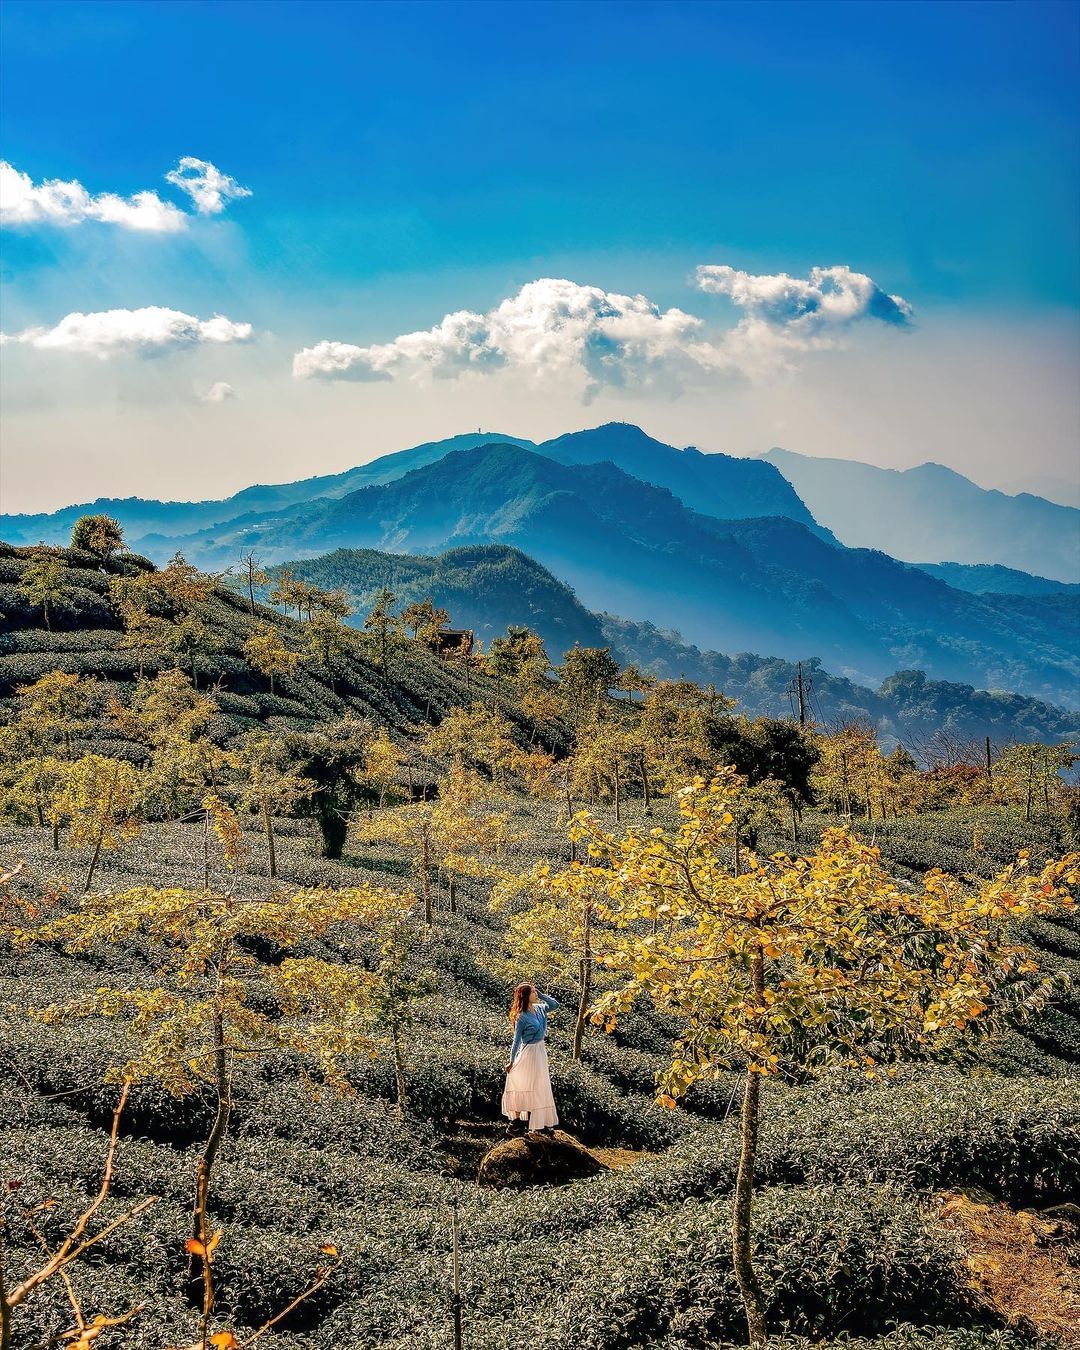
[[523, 996]]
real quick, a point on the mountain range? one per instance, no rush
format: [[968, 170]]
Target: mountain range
[[488, 587], [724, 550], [934, 512]]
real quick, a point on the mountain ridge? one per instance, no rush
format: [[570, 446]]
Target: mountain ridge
[[928, 510]]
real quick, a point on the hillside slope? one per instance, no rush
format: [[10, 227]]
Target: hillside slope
[[981, 578], [629, 548], [716, 484], [933, 512], [486, 588], [88, 639]]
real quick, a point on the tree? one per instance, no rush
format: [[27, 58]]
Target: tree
[[632, 680], [53, 709], [383, 626], [267, 652], [252, 576], [270, 785], [382, 766], [284, 592], [327, 639], [475, 739], [585, 677], [207, 998], [44, 583], [172, 718], [335, 759], [1029, 776], [100, 535], [425, 620], [799, 965], [396, 988], [552, 936], [101, 799]]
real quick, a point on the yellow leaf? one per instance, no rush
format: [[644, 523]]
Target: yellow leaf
[[224, 1340], [328, 1249]]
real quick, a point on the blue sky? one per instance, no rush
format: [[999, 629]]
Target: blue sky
[[409, 160]]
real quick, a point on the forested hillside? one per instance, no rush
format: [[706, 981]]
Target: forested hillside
[[982, 577], [490, 588]]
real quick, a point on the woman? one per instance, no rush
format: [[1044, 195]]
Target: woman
[[528, 1099]]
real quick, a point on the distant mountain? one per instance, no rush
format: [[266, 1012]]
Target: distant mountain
[[716, 484], [486, 588], [980, 578], [933, 512], [719, 485], [162, 521], [768, 584], [1064, 491]]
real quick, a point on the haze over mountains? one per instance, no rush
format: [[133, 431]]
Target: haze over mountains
[[932, 512], [723, 549]]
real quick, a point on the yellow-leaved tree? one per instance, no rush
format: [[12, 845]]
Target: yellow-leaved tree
[[101, 799], [270, 784], [554, 922], [267, 652], [802, 964], [207, 998]]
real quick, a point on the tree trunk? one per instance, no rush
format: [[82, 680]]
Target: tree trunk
[[206, 850], [399, 1067], [220, 1128], [268, 824], [56, 836], [105, 810], [584, 980], [425, 881], [618, 792], [645, 784], [332, 828], [752, 1296]]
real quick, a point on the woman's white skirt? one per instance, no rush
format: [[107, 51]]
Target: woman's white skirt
[[528, 1089]]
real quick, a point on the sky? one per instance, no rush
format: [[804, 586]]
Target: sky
[[256, 241]]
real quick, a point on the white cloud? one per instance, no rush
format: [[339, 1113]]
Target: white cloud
[[209, 189], [55, 202], [832, 297], [142, 332], [218, 392], [22, 202], [556, 328], [551, 327]]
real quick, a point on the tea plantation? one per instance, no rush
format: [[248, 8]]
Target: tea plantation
[[846, 1228], [849, 1235]]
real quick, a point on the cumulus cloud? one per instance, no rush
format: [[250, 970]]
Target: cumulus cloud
[[59, 202], [556, 328], [209, 189], [218, 392], [551, 327], [831, 297], [141, 332]]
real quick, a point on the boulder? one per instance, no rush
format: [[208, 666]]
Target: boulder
[[538, 1160]]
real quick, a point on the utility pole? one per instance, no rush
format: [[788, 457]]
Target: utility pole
[[989, 769], [802, 696]]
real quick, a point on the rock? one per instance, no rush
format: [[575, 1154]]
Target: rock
[[538, 1160]]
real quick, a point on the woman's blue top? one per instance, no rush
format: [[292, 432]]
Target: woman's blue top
[[531, 1026]]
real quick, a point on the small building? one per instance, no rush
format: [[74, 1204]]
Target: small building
[[455, 642]]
